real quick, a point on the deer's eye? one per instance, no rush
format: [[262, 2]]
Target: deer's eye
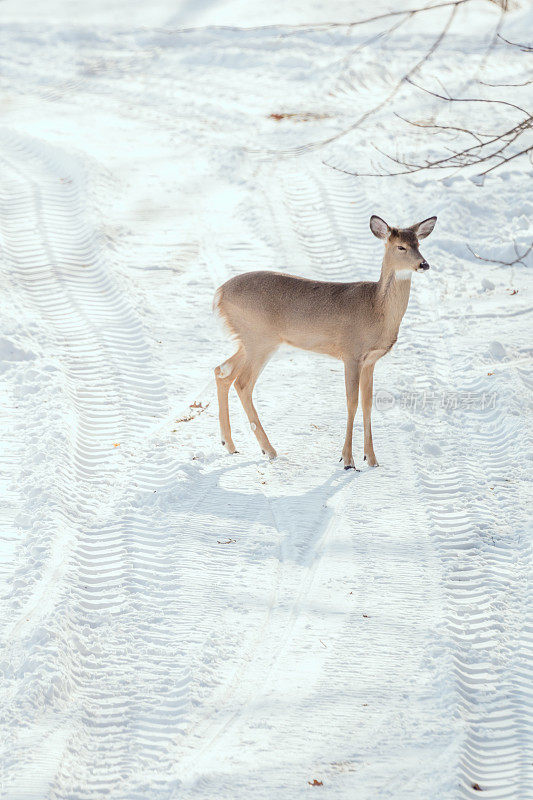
[[401, 248]]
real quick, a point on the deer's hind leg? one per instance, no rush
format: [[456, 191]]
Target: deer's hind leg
[[256, 358], [225, 374]]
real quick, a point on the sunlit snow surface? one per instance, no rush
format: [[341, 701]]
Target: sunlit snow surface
[[181, 623]]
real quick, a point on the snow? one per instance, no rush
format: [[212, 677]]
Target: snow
[[182, 623]]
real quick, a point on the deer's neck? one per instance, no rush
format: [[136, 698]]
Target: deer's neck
[[393, 291]]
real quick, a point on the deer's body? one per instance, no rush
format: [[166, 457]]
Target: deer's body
[[297, 311], [354, 322]]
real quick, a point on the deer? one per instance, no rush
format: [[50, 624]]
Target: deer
[[357, 323]]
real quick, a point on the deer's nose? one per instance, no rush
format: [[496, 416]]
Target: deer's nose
[[423, 266]]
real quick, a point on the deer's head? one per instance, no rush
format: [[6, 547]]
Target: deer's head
[[401, 244]]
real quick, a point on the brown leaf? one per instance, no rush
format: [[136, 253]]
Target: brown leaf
[[314, 782], [304, 116], [477, 787], [196, 408]]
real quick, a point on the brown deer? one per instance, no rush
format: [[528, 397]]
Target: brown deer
[[355, 322]]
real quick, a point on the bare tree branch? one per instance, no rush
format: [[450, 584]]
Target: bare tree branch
[[491, 149], [469, 156], [450, 99], [523, 152], [525, 48], [410, 12], [494, 39], [381, 35], [405, 78], [434, 126], [497, 85], [518, 260]]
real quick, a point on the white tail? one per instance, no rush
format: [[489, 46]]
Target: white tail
[[355, 322]]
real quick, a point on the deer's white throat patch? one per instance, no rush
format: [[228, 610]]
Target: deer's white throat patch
[[403, 274]]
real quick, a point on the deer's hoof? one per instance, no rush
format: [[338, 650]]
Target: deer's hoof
[[230, 447], [348, 462], [270, 452]]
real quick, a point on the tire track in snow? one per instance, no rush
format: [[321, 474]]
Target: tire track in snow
[[116, 694], [12, 419], [290, 596], [224, 256], [485, 555], [325, 222], [128, 664], [329, 213], [330, 218], [490, 611], [485, 601]]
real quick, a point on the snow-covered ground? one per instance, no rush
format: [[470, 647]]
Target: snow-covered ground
[[181, 623]]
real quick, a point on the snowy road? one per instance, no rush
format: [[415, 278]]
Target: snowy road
[[179, 623]]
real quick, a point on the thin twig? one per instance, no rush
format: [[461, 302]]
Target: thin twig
[[525, 48], [347, 58], [523, 152], [466, 99], [518, 260], [434, 126], [498, 85]]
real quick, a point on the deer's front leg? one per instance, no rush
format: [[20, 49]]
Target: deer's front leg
[[351, 377], [367, 381]]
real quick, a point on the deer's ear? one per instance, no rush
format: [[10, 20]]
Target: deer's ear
[[424, 228], [379, 227]]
